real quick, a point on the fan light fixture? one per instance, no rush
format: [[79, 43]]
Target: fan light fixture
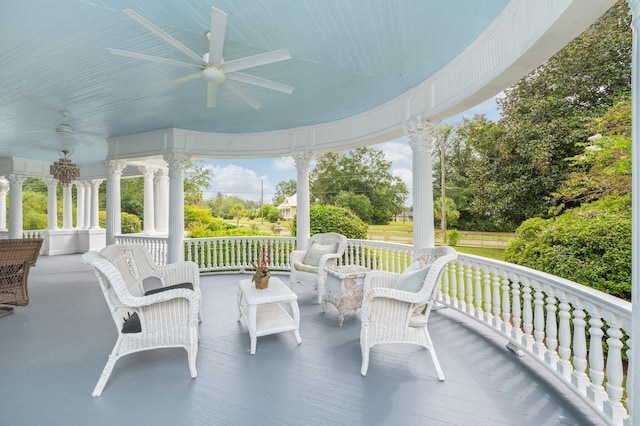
[[64, 169]]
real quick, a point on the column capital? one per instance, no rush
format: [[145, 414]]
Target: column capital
[[177, 159], [302, 158], [147, 172], [421, 133], [115, 167], [50, 181], [4, 186], [16, 179], [95, 183]]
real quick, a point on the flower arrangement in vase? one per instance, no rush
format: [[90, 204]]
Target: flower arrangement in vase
[[262, 275]]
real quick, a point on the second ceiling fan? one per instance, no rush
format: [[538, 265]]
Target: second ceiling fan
[[211, 66]]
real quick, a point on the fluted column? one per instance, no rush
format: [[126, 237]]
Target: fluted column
[[52, 203], [303, 222], [67, 207], [175, 249], [114, 221], [633, 388], [80, 190], [162, 201], [95, 197], [148, 222], [421, 134], [15, 205], [4, 188]]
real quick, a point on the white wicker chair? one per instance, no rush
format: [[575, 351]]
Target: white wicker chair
[[141, 273], [390, 315], [325, 249], [163, 319]]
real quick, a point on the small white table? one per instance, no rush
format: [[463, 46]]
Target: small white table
[[343, 289], [263, 312]]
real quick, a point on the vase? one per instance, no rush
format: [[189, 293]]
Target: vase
[[262, 281]]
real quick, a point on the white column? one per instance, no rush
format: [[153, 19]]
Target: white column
[[148, 222], [114, 221], [86, 224], [175, 249], [95, 197], [52, 203], [79, 204], [67, 207], [15, 205], [303, 222], [4, 188], [162, 201], [633, 388], [421, 134]]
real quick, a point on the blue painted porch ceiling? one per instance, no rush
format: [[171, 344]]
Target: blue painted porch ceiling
[[347, 57]]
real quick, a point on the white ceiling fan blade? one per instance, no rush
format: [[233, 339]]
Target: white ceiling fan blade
[[256, 60], [153, 58], [259, 81], [216, 36], [212, 90], [180, 80], [99, 135], [244, 95], [40, 131], [166, 37]]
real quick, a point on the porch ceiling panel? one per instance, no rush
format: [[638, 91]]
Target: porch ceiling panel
[[348, 57]]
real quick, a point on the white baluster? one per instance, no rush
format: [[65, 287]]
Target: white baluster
[[564, 338], [551, 356], [613, 408], [495, 283], [506, 304], [595, 391], [488, 316], [538, 324], [579, 377]]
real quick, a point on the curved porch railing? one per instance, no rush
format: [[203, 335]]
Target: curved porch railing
[[579, 334]]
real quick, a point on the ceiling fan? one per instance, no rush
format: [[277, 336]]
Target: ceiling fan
[[65, 128], [211, 65]]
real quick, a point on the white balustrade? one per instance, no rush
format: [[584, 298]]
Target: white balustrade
[[558, 323]]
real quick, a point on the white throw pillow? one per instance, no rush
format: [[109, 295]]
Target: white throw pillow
[[412, 280], [316, 251]]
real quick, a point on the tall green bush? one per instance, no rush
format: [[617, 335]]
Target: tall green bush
[[325, 218], [590, 245]]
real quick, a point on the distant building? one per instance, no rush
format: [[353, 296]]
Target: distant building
[[289, 207]]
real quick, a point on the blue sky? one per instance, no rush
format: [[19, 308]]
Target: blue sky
[[247, 179]]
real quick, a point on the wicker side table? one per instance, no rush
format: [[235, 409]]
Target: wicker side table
[[343, 289]]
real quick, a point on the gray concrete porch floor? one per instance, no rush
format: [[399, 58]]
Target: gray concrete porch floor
[[53, 351]]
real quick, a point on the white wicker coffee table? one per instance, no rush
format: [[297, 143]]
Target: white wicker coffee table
[[263, 311]]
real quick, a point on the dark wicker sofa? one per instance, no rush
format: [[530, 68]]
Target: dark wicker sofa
[[17, 256]]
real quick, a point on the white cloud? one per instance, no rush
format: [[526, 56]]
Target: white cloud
[[397, 151], [239, 181], [284, 164]]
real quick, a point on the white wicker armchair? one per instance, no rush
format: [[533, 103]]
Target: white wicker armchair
[[308, 266], [162, 318], [392, 315], [142, 274]]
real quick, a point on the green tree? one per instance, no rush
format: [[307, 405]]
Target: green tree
[[334, 219], [452, 213], [543, 120], [270, 213], [197, 177], [285, 188], [357, 203], [362, 171], [590, 245], [238, 211]]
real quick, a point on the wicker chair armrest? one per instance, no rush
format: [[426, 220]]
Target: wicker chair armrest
[[392, 293]]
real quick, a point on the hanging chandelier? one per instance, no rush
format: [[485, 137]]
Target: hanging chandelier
[[64, 170]]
